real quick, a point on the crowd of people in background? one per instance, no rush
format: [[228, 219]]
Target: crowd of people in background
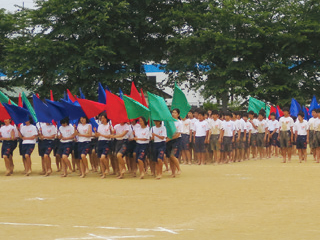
[[202, 137]]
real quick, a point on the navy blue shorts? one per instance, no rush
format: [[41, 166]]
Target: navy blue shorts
[[46, 147], [141, 151], [185, 141], [56, 145], [20, 147], [130, 148], [121, 146], [103, 148], [199, 144], [65, 148], [173, 148], [158, 150], [302, 142], [75, 150], [27, 149], [274, 139], [7, 148], [40, 147], [94, 144], [84, 148]]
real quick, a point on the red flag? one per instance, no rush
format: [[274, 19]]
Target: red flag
[[272, 110], [9, 101], [143, 99], [20, 104], [280, 112], [134, 94], [91, 108], [3, 113], [71, 97], [116, 110], [37, 94], [51, 96]]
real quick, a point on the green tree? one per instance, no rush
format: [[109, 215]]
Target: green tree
[[72, 44]]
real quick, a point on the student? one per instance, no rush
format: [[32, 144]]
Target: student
[[262, 134], [273, 126], [241, 125], [302, 136], [84, 133], [215, 126], [158, 135], [104, 134], [226, 139], [286, 136], [201, 136], [248, 127], [142, 138], [316, 136], [192, 121], [253, 142], [131, 162], [47, 134], [40, 147], [121, 131], [7, 137], [312, 133], [66, 136], [173, 144], [28, 134], [185, 140]]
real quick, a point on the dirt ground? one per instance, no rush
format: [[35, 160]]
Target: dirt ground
[[262, 199]]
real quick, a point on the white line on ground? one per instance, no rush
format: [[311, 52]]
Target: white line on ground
[[28, 224]]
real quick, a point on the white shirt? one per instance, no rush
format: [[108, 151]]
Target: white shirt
[[242, 125], [84, 129], [249, 126], [48, 131], [228, 128], [143, 133], [29, 131], [192, 122], [215, 126], [6, 131], [178, 125], [186, 126], [161, 131], [201, 128], [255, 122], [131, 129], [272, 125], [302, 128], [311, 122], [316, 125], [121, 129], [104, 130], [16, 132], [262, 125], [66, 132], [285, 123]]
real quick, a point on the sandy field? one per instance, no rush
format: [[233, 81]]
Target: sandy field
[[261, 199]]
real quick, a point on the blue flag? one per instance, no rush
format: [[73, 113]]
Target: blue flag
[[102, 98], [295, 108], [306, 114], [107, 88], [74, 111], [65, 96], [313, 105], [18, 114], [57, 110], [81, 94], [42, 111], [121, 93]]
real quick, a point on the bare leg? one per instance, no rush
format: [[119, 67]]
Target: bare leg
[[141, 168]]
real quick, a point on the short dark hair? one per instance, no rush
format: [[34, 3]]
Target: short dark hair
[[144, 120], [215, 112], [286, 109], [228, 114], [301, 114], [85, 117], [245, 115], [251, 112], [65, 120], [272, 114]]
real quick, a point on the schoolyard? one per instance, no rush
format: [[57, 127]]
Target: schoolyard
[[256, 199]]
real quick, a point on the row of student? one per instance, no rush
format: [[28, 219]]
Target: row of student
[[122, 145], [232, 136]]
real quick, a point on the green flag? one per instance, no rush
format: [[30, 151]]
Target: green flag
[[256, 105], [5, 99], [180, 101], [135, 109], [29, 106], [160, 111]]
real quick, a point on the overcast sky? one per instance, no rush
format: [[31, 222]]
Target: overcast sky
[[9, 4]]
